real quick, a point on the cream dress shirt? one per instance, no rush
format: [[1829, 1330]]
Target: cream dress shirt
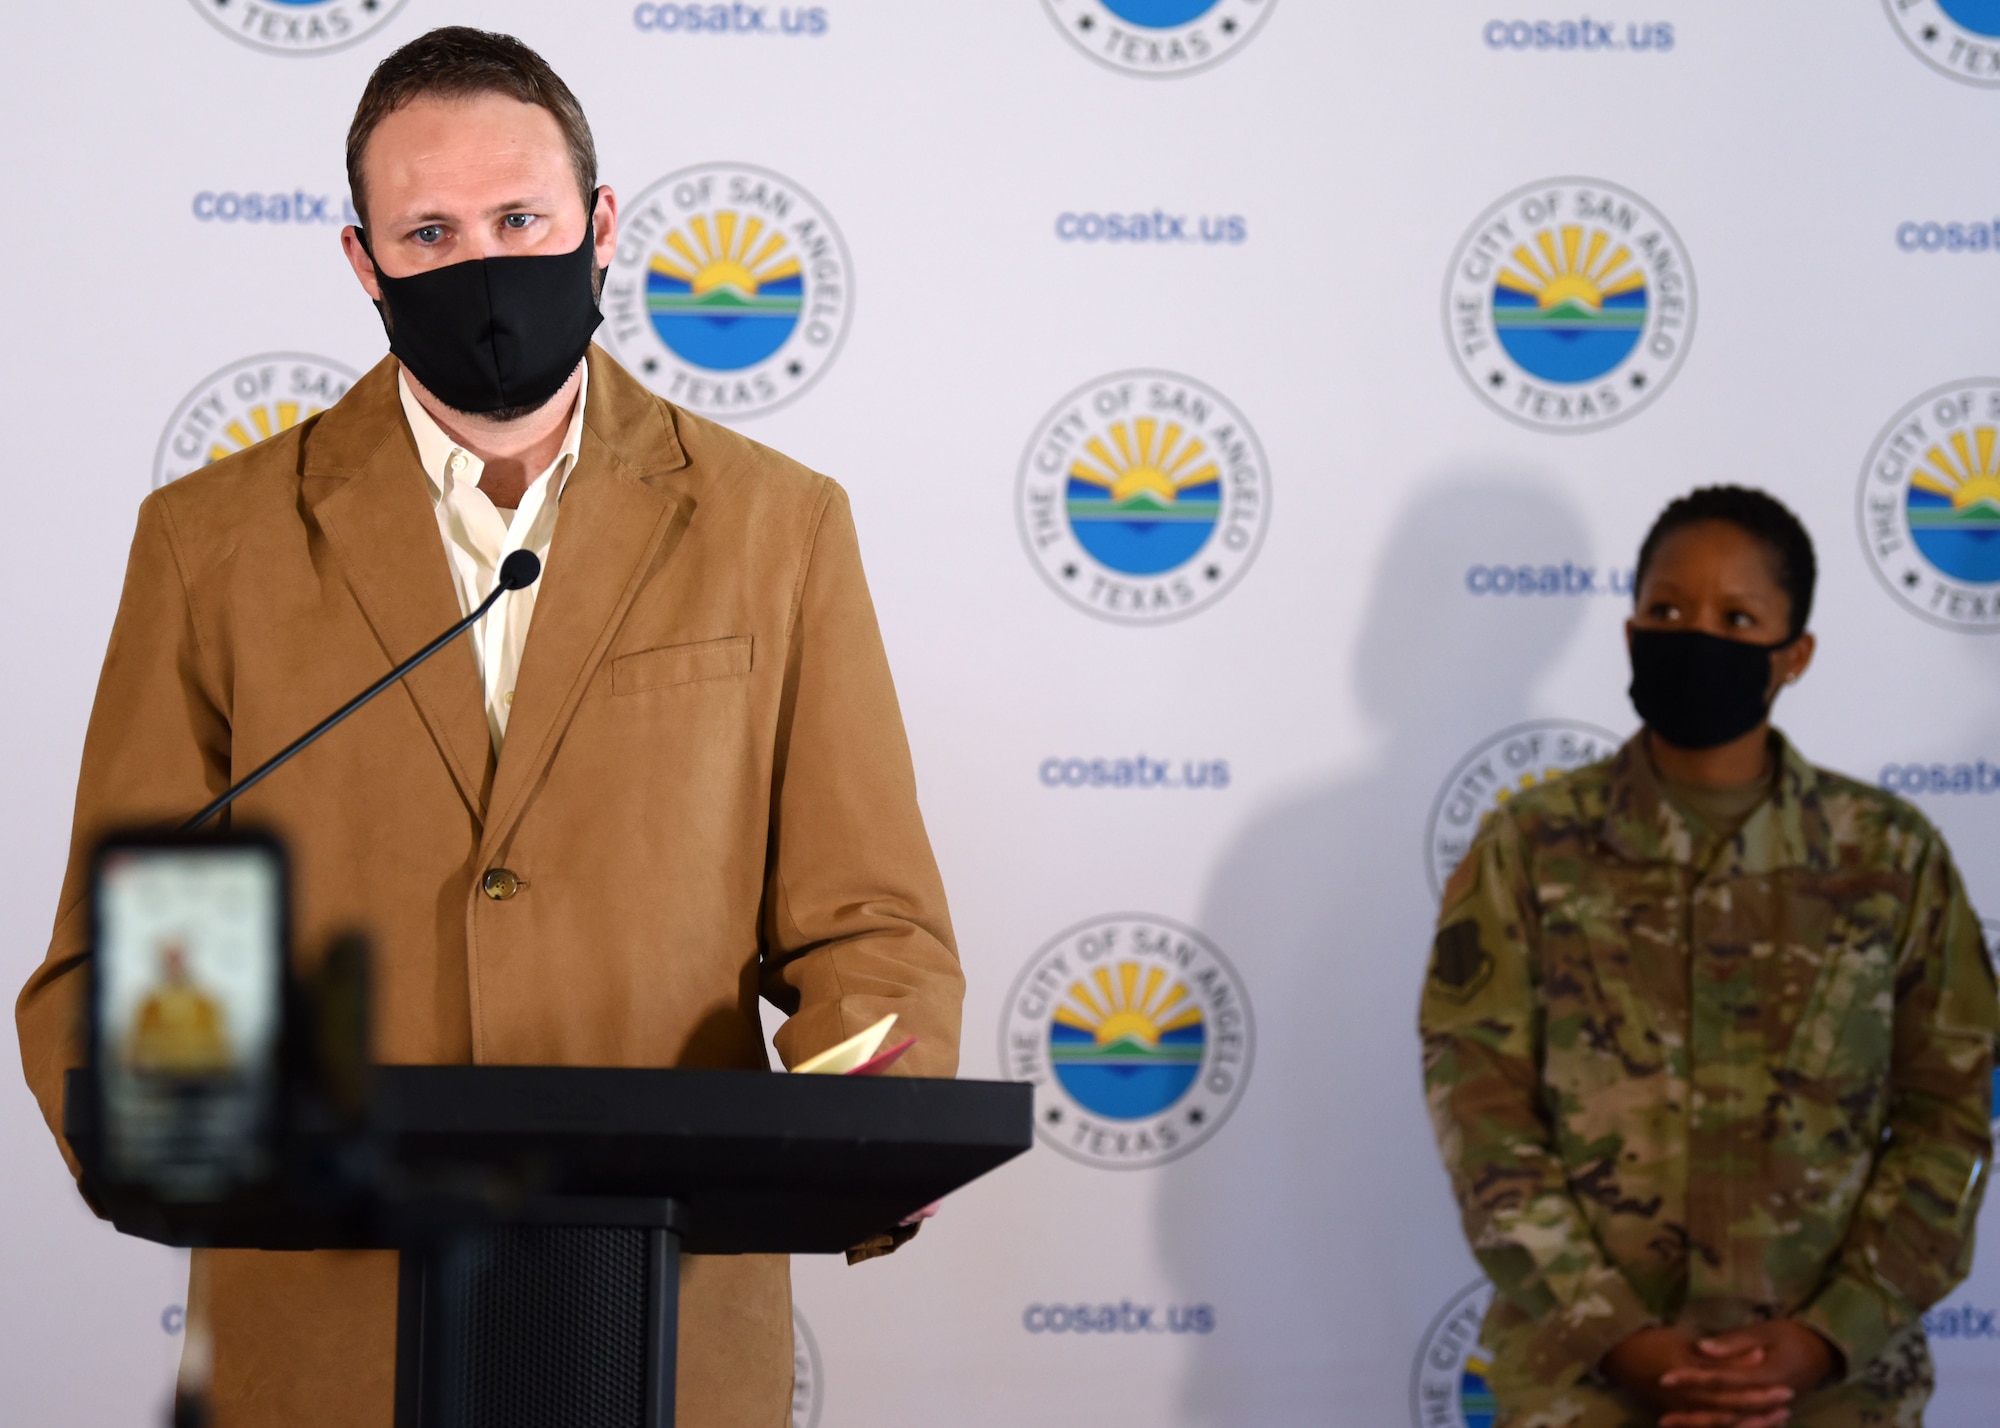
[[478, 536]]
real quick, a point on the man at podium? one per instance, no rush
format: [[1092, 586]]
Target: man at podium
[[669, 777]]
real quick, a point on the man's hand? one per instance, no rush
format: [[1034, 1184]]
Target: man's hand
[[1742, 1380]]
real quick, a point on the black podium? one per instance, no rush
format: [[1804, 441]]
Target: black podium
[[542, 1211]]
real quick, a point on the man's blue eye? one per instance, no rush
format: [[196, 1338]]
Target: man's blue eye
[[518, 220], [429, 233]]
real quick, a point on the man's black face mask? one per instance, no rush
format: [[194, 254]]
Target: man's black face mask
[[1699, 691], [494, 336]]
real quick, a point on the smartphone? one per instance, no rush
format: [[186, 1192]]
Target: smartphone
[[188, 1008]]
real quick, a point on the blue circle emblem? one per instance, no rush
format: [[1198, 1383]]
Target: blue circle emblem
[[1573, 310], [1476, 1403], [731, 290], [1960, 537], [1147, 501], [1929, 505], [1569, 304], [1159, 14], [1127, 1056], [1982, 17], [1137, 1037], [725, 293]]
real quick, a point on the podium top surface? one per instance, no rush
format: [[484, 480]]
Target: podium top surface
[[755, 1162]]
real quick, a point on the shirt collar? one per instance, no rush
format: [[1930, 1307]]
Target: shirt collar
[[1788, 830], [435, 446]]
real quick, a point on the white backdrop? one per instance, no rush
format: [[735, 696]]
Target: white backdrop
[[1312, 701]]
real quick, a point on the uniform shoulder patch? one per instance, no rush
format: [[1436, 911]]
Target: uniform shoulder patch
[[1460, 965]]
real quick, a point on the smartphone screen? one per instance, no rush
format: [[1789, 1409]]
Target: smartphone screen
[[188, 1009]]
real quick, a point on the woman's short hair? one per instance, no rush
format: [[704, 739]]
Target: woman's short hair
[[1757, 514], [459, 62]]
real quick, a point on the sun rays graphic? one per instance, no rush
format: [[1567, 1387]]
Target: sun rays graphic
[[1572, 304], [730, 255], [1566, 270], [725, 291], [1154, 470], [1965, 475], [1140, 1013], [1528, 780], [269, 418]]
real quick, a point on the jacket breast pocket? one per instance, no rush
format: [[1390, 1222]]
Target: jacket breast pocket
[[1846, 1021], [681, 664]]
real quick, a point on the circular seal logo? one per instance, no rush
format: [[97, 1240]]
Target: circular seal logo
[[1960, 38], [1569, 305], [1158, 38], [731, 291], [1511, 761], [242, 404], [298, 27], [1930, 505], [808, 1377], [1448, 1387], [1143, 497], [1136, 1034]]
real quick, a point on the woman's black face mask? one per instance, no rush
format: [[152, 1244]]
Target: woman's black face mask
[[1700, 691], [494, 336]]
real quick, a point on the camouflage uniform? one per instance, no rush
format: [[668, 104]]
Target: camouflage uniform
[[1687, 1081]]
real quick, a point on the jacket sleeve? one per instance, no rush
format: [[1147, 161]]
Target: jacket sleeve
[[1910, 1239], [157, 748], [1482, 1033], [855, 925]]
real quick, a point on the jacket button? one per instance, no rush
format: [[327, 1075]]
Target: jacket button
[[499, 884]]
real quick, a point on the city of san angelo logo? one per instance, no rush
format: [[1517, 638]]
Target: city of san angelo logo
[[1159, 37], [1143, 497], [1136, 1034], [1960, 38], [731, 291], [298, 27], [242, 404], [1929, 505], [1569, 305], [1510, 762], [1448, 1388]]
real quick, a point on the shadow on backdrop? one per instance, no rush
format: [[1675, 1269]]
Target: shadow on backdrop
[[1318, 1222]]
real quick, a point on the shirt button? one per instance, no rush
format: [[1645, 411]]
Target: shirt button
[[508, 699], [499, 884]]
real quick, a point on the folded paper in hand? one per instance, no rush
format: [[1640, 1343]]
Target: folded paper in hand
[[861, 1055]]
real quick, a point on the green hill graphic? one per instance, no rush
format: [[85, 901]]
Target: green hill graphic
[[1128, 1050], [1981, 514]]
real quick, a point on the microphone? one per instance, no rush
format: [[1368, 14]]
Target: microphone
[[517, 572]]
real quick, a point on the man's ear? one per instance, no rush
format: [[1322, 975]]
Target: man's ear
[[358, 259], [604, 225]]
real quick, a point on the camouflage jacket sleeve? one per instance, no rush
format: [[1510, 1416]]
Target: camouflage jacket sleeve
[[1482, 1033], [1910, 1239]]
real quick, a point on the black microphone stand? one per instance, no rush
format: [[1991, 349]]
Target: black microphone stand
[[517, 572]]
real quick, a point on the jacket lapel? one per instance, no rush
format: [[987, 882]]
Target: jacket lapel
[[365, 487], [613, 519]]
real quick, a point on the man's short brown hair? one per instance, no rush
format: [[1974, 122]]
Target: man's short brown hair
[[458, 62]]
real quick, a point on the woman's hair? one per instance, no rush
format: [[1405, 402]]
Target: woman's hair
[[1757, 514]]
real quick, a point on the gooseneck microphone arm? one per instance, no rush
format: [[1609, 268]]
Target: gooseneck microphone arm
[[517, 572]]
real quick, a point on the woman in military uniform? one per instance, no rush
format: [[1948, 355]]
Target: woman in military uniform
[[1708, 1040]]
